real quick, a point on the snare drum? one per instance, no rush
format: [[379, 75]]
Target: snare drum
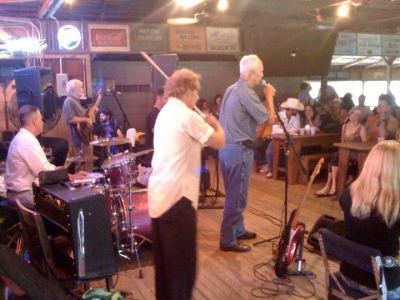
[[92, 178]]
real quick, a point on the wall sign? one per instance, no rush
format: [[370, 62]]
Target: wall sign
[[150, 38], [346, 44], [222, 40], [69, 37], [187, 39], [109, 38], [391, 45], [368, 44]]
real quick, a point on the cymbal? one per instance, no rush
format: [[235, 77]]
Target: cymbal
[[106, 142], [123, 158], [133, 155], [81, 158]]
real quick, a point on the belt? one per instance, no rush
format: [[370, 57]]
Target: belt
[[247, 143]]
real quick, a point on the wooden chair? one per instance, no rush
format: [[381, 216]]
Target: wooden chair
[[360, 256], [36, 242], [24, 280]]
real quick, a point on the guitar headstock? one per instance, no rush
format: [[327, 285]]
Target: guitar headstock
[[317, 169]]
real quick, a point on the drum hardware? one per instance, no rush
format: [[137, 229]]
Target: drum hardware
[[109, 142]]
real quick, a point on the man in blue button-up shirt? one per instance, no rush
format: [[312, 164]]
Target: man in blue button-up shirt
[[241, 112]]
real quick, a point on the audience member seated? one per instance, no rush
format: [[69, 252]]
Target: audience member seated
[[327, 123], [304, 93], [365, 110], [338, 111], [347, 101], [310, 117], [383, 125], [217, 104], [371, 208], [352, 131], [26, 158], [291, 119]]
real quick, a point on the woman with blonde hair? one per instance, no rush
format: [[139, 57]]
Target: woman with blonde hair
[[371, 208]]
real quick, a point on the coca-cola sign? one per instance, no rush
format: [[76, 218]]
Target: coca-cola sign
[[109, 38]]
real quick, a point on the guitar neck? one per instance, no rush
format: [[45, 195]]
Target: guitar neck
[[303, 200]]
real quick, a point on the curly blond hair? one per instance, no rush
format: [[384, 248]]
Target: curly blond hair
[[180, 82]]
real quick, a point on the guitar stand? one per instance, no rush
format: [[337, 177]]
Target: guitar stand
[[300, 261]]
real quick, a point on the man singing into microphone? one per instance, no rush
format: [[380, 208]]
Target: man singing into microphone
[[240, 114]]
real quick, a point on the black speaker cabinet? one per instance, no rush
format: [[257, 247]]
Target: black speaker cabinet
[[325, 221], [83, 214], [168, 63], [31, 84]]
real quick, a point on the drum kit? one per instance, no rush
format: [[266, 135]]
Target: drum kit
[[128, 208]]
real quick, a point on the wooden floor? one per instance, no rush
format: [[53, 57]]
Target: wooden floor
[[227, 275]]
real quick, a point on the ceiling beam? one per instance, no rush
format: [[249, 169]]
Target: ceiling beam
[[49, 8]]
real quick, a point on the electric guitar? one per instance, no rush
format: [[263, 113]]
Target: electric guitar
[[294, 231], [84, 129]]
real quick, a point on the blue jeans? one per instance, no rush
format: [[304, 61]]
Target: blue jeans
[[269, 157], [236, 163], [393, 294]]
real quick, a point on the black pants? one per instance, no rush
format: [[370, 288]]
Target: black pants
[[175, 251]]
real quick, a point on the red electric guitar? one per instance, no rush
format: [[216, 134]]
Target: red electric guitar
[[294, 231]]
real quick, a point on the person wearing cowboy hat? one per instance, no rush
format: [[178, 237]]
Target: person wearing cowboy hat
[[291, 120]]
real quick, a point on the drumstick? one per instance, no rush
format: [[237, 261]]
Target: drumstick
[[153, 63]]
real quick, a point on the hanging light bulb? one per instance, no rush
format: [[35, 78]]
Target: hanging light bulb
[[222, 5], [343, 10]]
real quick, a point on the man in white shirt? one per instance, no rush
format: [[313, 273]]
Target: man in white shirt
[[26, 158], [179, 134]]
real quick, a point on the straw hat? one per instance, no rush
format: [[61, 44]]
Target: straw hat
[[293, 103]]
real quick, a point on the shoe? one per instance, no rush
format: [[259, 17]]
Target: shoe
[[248, 235], [263, 169], [269, 175], [321, 194], [238, 247], [331, 194]]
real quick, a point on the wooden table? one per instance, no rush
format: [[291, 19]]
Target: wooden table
[[355, 150], [299, 141]]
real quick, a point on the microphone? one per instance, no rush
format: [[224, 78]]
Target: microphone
[[263, 83]]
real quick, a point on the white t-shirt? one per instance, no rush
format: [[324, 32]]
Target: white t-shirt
[[179, 134], [25, 160]]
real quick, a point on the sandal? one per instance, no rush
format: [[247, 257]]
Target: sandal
[[320, 194]]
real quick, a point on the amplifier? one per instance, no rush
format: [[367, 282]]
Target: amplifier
[[82, 213]]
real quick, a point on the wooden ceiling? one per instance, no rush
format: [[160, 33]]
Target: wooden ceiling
[[375, 16]]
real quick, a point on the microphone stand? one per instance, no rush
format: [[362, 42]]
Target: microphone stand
[[287, 146], [126, 121]]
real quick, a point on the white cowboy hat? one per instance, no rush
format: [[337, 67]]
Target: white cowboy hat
[[293, 103]]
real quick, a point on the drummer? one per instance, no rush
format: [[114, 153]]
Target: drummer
[[106, 127]]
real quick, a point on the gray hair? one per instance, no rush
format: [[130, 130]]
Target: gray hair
[[249, 63], [72, 85], [25, 114]]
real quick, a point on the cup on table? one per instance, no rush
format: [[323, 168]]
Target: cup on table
[[302, 131], [313, 130]]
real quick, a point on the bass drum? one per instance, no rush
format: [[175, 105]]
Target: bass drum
[[118, 203]]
